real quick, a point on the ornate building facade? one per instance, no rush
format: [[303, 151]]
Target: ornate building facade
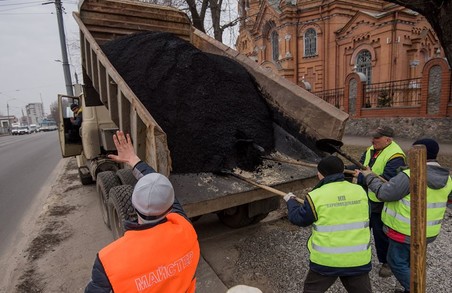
[[317, 44]]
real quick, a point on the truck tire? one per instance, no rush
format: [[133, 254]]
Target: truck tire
[[126, 177], [120, 208], [105, 181]]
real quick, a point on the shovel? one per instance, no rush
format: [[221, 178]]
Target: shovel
[[334, 146], [265, 187]]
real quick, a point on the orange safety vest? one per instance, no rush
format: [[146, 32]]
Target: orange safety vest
[[160, 259]]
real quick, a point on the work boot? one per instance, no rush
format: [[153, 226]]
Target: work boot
[[385, 271]]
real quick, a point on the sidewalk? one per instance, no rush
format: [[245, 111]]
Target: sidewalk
[[405, 143]]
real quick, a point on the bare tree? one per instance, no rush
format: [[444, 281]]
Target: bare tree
[[439, 14], [206, 15], [54, 112]]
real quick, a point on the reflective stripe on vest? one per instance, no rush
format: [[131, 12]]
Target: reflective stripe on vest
[[340, 236], [380, 162], [397, 214], [159, 259], [342, 227]]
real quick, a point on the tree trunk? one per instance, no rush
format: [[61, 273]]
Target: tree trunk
[[215, 10]]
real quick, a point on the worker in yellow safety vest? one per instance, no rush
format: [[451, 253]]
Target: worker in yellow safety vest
[[385, 158], [396, 212], [339, 245]]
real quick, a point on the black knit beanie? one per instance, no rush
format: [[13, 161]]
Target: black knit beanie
[[431, 146], [330, 165]]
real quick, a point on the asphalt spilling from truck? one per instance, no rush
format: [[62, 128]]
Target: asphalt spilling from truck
[[208, 105]]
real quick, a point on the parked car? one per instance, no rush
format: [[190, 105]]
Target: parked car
[[23, 130], [33, 128]]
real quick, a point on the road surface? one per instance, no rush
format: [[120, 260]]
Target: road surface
[[27, 163]]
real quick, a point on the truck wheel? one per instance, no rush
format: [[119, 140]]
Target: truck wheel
[[236, 217], [85, 176], [126, 177], [120, 208], [105, 181]]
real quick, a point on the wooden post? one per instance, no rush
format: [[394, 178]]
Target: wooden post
[[418, 190]]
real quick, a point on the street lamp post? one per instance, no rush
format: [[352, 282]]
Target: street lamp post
[[73, 67], [7, 110]]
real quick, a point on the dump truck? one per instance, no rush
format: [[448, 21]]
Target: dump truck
[[299, 119]]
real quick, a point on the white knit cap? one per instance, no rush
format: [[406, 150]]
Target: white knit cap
[[244, 289], [153, 196]]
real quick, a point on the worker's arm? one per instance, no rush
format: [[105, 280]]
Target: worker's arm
[[126, 154], [395, 189], [300, 215], [77, 121], [392, 167], [99, 282]]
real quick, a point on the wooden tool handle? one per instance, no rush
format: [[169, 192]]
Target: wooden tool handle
[[268, 188], [301, 163]]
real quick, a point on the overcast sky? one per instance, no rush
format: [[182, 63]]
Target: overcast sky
[[29, 46]]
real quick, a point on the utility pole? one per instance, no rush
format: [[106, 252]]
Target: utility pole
[[66, 69], [9, 122]]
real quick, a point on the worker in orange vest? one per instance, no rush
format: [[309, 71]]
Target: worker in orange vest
[[160, 252]]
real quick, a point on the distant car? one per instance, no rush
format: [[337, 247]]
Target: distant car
[[23, 130], [15, 131], [33, 128]]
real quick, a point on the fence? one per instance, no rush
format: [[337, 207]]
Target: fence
[[427, 96], [401, 93], [334, 97]]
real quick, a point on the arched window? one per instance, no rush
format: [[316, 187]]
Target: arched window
[[275, 45], [364, 64], [310, 42]]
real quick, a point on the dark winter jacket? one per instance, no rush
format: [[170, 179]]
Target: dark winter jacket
[[392, 168], [399, 186], [305, 215]]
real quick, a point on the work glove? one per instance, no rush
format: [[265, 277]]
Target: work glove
[[366, 172], [289, 196]]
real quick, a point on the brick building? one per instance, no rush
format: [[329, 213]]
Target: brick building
[[317, 44]]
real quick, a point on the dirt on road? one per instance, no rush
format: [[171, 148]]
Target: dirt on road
[[63, 243]]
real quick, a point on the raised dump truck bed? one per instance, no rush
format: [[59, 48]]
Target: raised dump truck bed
[[300, 118]]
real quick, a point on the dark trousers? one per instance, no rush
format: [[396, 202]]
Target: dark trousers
[[399, 262], [317, 283], [380, 238]]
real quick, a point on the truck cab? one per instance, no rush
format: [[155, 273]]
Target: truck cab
[[91, 142]]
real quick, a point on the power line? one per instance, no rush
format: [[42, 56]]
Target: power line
[[34, 5]]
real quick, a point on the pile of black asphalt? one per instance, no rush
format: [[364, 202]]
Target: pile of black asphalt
[[208, 105]]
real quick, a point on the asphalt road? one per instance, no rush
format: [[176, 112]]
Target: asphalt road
[[27, 163]]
